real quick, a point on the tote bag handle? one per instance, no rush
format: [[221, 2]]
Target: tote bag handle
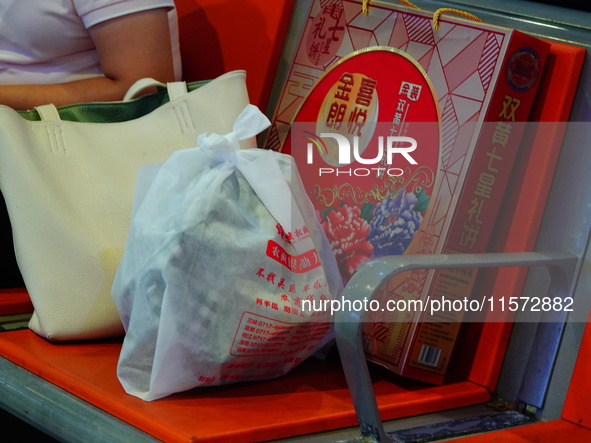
[[175, 89]]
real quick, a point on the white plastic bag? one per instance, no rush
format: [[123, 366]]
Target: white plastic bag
[[223, 248]]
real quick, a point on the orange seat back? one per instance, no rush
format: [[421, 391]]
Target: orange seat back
[[217, 36]]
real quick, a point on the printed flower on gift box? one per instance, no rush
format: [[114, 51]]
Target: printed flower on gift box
[[395, 223], [358, 234], [347, 234]]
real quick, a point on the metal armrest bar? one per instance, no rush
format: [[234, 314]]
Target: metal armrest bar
[[364, 284]]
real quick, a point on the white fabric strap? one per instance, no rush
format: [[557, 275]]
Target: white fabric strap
[[48, 113]]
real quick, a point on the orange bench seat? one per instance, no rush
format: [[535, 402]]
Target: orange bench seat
[[312, 398]]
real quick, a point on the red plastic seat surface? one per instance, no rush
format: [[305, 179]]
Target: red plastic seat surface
[[312, 398]]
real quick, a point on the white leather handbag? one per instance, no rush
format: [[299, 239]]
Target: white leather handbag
[[68, 176]]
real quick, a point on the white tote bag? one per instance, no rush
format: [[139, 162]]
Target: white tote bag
[[69, 188], [223, 253]]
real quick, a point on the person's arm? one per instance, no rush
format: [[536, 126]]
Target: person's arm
[[129, 48]]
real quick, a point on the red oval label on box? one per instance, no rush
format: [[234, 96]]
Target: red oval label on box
[[366, 140]]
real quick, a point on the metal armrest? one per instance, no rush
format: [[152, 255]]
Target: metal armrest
[[364, 284]]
